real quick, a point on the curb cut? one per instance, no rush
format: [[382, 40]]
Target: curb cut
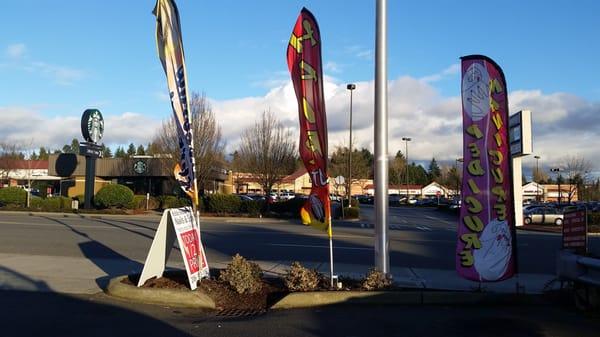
[[168, 297]]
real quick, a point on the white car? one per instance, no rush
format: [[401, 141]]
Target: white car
[[286, 195]]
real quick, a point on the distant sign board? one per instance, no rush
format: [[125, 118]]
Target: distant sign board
[[575, 231], [519, 133]]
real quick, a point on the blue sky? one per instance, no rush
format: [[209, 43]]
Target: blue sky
[[58, 58]]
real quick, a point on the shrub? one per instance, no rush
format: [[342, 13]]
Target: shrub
[[224, 203], [594, 219], [171, 201], [289, 207], [300, 278], [353, 202], [139, 202], [376, 280], [13, 196], [252, 207], [242, 275], [352, 212], [113, 195]]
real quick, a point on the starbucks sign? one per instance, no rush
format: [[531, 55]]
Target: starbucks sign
[[140, 167], [92, 125]]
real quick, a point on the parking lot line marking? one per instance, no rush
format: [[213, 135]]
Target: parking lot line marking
[[316, 246]]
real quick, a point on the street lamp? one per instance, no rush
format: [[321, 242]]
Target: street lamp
[[406, 140], [537, 172], [350, 87], [558, 180], [458, 160]]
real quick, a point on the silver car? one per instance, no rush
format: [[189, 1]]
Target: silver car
[[543, 215]]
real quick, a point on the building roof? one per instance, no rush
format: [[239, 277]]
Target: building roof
[[21, 164]]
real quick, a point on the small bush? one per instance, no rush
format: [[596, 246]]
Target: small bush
[[13, 196], [594, 219], [113, 195], [300, 278], [139, 202], [242, 275], [353, 202], [171, 201], [376, 280], [253, 208], [351, 212], [224, 203]]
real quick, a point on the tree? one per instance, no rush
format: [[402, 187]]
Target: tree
[[131, 150], [140, 150], [417, 174], [208, 145], [339, 165], [120, 153], [44, 154], [9, 152], [267, 150], [434, 171], [576, 170], [75, 146], [106, 152], [397, 170]]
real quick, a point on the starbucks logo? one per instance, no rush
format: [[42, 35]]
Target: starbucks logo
[[139, 167], [92, 125]]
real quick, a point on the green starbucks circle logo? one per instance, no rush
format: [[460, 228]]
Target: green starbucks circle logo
[[92, 125]]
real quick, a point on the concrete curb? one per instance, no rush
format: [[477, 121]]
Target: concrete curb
[[168, 297], [313, 299]]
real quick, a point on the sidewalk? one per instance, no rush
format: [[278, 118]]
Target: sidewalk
[[82, 276]]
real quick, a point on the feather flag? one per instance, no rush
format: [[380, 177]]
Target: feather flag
[[170, 51], [305, 65], [486, 243]]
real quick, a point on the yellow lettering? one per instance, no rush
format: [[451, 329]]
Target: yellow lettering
[[474, 150], [494, 106], [312, 142], [474, 131], [497, 156], [497, 119], [495, 86], [296, 43], [466, 258], [474, 205], [308, 72], [473, 186], [471, 241], [498, 138], [473, 223], [475, 168], [500, 211], [498, 191], [309, 113], [498, 176], [308, 33]]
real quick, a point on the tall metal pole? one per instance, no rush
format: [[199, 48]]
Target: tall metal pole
[[406, 140], [382, 262], [537, 172], [350, 87]]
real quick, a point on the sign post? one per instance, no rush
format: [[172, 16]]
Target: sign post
[[92, 130], [520, 146]]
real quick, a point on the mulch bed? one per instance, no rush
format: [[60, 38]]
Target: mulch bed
[[225, 297]]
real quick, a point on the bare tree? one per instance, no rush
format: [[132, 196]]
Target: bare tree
[[208, 145], [339, 166], [576, 169], [267, 150]]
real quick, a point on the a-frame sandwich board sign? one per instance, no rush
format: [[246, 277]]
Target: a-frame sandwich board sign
[[177, 223]]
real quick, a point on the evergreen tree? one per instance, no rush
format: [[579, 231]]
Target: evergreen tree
[[131, 150], [120, 153], [140, 150], [75, 146], [43, 153], [106, 152], [434, 170]]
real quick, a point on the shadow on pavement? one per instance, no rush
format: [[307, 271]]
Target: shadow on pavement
[[13, 280], [104, 257]]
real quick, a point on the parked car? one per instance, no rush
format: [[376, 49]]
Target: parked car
[[244, 197], [543, 215], [427, 202], [286, 195], [412, 201]]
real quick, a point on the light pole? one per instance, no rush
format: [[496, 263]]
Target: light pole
[[351, 87], [537, 172], [558, 180], [406, 140], [458, 160]]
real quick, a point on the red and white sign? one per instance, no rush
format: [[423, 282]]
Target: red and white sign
[[180, 223], [575, 231]]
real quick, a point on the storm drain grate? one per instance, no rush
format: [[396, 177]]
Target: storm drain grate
[[240, 313]]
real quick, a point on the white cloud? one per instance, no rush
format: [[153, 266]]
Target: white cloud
[[60, 74], [28, 124], [450, 71], [563, 123], [16, 51], [332, 67]]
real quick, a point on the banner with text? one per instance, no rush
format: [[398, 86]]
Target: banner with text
[[170, 51], [486, 244], [304, 63]]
